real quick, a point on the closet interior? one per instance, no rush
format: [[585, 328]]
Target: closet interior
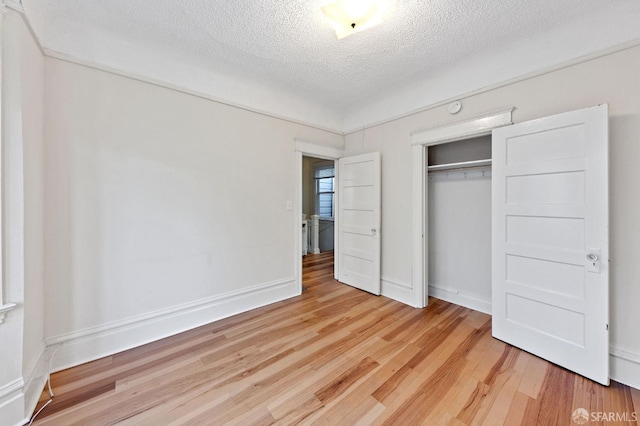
[[459, 222]]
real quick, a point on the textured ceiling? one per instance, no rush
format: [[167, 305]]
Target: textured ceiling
[[283, 57]]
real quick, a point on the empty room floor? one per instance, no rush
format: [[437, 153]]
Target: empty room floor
[[334, 355]]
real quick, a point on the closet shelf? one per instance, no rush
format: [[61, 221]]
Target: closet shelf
[[459, 165]]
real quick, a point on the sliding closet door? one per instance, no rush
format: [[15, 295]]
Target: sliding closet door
[[551, 241]]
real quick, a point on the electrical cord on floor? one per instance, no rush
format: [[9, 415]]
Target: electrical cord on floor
[[51, 395]]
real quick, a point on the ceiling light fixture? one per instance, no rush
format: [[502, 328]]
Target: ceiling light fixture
[[351, 16]]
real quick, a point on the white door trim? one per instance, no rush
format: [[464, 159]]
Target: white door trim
[[478, 126], [310, 149]]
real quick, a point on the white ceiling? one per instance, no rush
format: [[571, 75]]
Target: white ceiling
[[281, 56]]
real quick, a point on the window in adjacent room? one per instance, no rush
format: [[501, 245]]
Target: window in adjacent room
[[325, 177]]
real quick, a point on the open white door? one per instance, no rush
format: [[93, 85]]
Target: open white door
[[551, 239], [358, 213]]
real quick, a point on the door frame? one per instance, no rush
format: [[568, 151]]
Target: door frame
[[310, 149], [478, 126]]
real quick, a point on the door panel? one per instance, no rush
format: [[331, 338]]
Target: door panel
[[359, 222], [550, 212]]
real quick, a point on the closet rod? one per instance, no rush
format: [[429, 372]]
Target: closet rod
[[460, 165]]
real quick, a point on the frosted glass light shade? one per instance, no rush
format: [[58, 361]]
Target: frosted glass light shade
[[351, 16], [356, 9]]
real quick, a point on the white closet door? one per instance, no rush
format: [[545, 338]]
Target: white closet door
[[550, 292], [359, 221]]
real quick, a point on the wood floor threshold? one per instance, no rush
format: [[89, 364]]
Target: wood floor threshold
[[332, 356]]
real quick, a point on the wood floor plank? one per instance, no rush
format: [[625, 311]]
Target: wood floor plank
[[517, 408], [345, 380], [635, 396], [417, 405], [293, 407], [554, 406], [495, 406], [281, 405], [333, 355], [454, 399], [536, 371]]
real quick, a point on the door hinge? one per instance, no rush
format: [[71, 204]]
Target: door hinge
[[607, 327]]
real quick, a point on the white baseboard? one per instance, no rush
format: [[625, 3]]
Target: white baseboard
[[97, 342], [91, 344], [35, 380], [398, 291], [625, 365], [12, 403], [462, 299]]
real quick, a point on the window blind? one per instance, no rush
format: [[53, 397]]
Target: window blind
[[324, 172]]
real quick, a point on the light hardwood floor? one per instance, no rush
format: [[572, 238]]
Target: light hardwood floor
[[335, 356]]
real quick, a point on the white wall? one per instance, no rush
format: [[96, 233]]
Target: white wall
[[22, 334], [32, 74], [160, 206], [460, 237], [610, 79], [11, 330]]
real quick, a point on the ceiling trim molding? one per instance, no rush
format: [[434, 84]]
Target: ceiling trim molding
[[17, 6], [478, 126], [7, 6], [583, 59], [14, 4], [165, 85]]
